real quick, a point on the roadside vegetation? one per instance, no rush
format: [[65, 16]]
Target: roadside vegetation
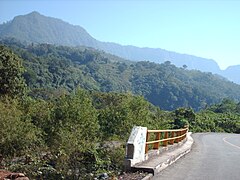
[[58, 133]]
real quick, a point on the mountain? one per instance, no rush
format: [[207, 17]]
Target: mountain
[[158, 55], [37, 28], [50, 67], [232, 72]]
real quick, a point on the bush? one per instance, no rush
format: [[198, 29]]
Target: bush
[[18, 134]]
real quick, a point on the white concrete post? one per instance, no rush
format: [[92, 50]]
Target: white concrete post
[[135, 149]]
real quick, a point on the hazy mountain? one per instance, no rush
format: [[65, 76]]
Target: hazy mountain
[[37, 28], [232, 73]]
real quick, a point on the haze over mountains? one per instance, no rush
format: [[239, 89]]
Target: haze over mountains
[[38, 28]]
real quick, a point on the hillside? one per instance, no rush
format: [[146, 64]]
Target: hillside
[[232, 72], [60, 133], [50, 67], [37, 28]]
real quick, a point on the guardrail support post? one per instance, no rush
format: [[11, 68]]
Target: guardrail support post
[[172, 136], [156, 145], [178, 139], [183, 134], [165, 143]]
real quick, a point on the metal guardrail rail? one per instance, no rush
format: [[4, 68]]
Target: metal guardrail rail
[[164, 137]]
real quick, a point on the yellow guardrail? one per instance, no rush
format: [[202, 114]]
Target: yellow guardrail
[[165, 137]]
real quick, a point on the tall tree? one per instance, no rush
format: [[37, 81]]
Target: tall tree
[[12, 82]]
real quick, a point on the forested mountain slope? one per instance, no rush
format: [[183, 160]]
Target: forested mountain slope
[[37, 28], [51, 67]]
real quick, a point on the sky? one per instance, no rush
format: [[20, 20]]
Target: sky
[[204, 28]]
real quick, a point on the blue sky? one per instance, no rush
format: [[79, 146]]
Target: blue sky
[[209, 29]]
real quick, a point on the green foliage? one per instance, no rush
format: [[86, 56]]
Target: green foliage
[[74, 133], [75, 116], [122, 111], [226, 106], [59, 132], [18, 134], [52, 67], [222, 117], [11, 81], [183, 117], [40, 113], [111, 159], [35, 166]]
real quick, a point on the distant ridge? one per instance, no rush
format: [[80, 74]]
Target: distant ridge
[[232, 73], [38, 28]]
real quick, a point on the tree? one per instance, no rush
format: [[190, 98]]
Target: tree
[[18, 134], [118, 113], [12, 82], [183, 117], [74, 133], [168, 63]]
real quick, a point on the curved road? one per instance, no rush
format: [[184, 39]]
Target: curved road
[[214, 156]]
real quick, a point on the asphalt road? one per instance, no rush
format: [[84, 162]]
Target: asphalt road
[[214, 156]]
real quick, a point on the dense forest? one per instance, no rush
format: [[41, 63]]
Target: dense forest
[[50, 67], [62, 108]]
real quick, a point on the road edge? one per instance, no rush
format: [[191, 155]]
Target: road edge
[[176, 155]]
